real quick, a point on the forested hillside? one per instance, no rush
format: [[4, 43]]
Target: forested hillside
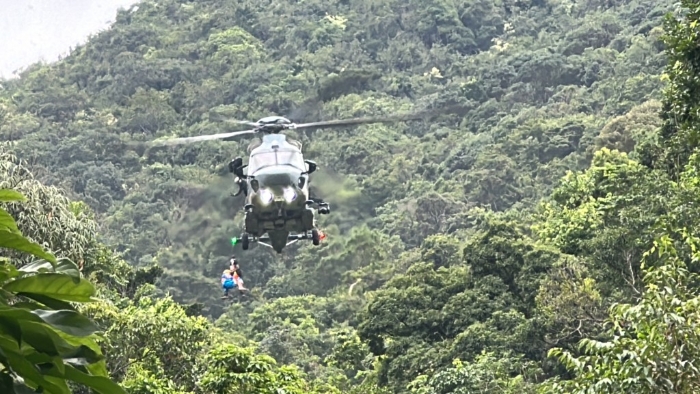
[[470, 253]]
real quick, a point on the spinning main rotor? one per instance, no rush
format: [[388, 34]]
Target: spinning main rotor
[[277, 124]]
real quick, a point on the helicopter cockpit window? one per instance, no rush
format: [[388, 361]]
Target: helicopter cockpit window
[[291, 158], [261, 160]]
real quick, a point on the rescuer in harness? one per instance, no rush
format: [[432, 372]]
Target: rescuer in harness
[[237, 274], [232, 278]]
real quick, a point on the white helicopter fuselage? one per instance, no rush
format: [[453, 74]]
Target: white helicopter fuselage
[[278, 185]]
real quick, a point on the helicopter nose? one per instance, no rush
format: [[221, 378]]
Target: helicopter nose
[[275, 179], [287, 194]]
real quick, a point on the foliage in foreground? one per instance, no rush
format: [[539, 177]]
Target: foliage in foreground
[[44, 341]]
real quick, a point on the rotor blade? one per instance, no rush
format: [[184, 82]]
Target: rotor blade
[[354, 121], [217, 117], [245, 122], [187, 140]]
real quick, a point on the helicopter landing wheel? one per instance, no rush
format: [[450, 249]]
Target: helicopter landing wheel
[[315, 237], [245, 242]]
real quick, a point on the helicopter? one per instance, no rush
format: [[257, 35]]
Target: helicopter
[[278, 206]]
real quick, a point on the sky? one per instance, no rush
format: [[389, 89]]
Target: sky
[[43, 30]]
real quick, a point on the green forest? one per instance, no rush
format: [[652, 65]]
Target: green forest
[[538, 236]]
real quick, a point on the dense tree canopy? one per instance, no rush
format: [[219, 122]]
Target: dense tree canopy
[[537, 237]]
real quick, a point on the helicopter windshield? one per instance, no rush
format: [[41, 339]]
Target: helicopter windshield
[[276, 158], [291, 158]]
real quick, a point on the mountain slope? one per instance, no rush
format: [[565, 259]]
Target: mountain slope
[[537, 82], [440, 244]]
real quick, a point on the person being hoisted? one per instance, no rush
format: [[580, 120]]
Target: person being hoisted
[[227, 282]]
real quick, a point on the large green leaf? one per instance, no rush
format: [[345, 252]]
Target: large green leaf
[[70, 322], [31, 374], [67, 267], [29, 305], [6, 383], [8, 195], [11, 324], [10, 327], [58, 286], [38, 266], [62, 266], [20, 388], [44, 339], [95, 369], [7, 222], [17, 242], [100, 384], [48, 301], [29, 327], [7, 271], [8, 341], [37, 358], [11, 386]]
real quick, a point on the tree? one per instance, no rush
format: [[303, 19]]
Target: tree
[[679, 135], [156, 333], [231, 369], [655, 344], [48, 217], [488, 373], [607, 214]]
